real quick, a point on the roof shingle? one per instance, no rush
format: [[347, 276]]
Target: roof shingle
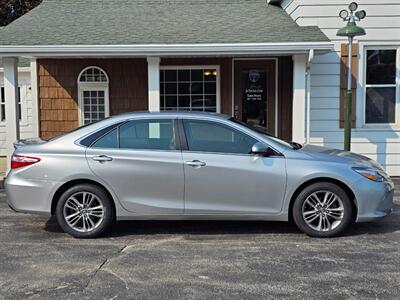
[[130, 22]]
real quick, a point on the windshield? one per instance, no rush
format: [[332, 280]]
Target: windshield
[[261, 130]]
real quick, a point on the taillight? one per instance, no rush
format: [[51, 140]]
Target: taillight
[[19, 161]]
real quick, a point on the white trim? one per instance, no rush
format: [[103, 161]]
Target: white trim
[[163, 49], [299, 97], [308, 95], [153, 83], [190, 67], [276, 86], [363, 86], [35, 97], [11, 105], [93, 86]]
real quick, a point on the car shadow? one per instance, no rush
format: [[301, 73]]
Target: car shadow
[[127, 228]]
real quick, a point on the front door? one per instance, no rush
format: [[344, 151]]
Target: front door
[[223, 177], [255, 93]]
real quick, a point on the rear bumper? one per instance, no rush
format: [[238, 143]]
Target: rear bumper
[[374, 200], [29, 196]]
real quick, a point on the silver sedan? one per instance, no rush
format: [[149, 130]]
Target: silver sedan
[[197, 166]]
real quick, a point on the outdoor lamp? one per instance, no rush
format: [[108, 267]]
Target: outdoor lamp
[[350, 31]]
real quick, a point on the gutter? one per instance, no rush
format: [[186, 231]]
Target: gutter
[[164, 49]]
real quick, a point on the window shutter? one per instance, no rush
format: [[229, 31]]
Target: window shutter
[[343, 82]]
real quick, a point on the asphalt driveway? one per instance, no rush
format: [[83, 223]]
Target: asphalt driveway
[[197, 260]]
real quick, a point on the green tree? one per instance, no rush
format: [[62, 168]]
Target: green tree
[[13, 9]]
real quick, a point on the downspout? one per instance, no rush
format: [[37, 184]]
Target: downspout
[[308, 95]]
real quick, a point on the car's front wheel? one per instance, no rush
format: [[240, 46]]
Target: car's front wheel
[[322, 210], [85, 211]]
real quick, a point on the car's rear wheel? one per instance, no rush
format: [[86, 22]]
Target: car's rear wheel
[[85, 211], [322, 210]]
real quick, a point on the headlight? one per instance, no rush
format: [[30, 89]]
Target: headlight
[[371, 174]]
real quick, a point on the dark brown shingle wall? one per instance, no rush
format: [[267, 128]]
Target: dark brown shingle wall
[[58, 90]]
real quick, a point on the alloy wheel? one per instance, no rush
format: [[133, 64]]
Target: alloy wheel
[[323, 211], [83, 211]]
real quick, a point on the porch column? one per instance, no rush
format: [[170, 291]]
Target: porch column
[[299, 97], [153, 65], [35, 98], [11, 104]]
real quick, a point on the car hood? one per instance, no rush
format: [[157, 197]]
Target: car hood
[[336, 155]]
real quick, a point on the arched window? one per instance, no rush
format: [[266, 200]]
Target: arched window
[[93, 95]]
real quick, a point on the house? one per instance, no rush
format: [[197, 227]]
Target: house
[[259, 61]]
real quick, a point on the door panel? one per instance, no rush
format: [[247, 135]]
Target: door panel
[[140, 161], [222, 177], [145, 182], [234, 184]]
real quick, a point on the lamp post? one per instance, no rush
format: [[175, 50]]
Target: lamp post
[[350, 31]]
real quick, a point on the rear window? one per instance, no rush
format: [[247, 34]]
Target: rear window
[[88, 141]]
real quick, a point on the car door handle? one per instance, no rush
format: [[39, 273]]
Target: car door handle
[[196, 163], [102, 158]]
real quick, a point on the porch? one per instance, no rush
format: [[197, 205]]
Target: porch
[[267, 90]]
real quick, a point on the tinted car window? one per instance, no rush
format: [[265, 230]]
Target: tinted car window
[[147, 134], [110, 140], [208, 136], [95, 136], [140, 134]]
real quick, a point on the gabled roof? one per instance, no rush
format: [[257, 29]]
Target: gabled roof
[[146, 22]]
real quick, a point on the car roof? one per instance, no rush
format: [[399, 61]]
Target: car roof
[[172, 114]]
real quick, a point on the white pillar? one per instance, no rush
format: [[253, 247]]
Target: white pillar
[[299, 97], [35, 98], [153, 64], [11, 94]]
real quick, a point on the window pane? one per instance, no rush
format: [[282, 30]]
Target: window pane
[[3, 97], [171, 88], [184, 75], [93, 106], [210, 75], [110, 140], [93, 75], [213, 137], [184, 88], [381, 66], [197, 75], [380, 105], [188, 89], [170, 75], [147, 134]]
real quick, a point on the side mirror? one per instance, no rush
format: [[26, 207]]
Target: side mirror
[[261, 149]]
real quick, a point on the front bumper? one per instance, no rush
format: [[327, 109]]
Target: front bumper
[[374, 199], [28, 195]]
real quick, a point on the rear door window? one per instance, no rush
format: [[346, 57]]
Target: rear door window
[[140, 135]]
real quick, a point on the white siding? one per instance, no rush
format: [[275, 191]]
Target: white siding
[[26, 107], [383, 28]]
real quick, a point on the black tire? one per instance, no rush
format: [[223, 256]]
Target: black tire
[[108, 211], [322, 187]]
